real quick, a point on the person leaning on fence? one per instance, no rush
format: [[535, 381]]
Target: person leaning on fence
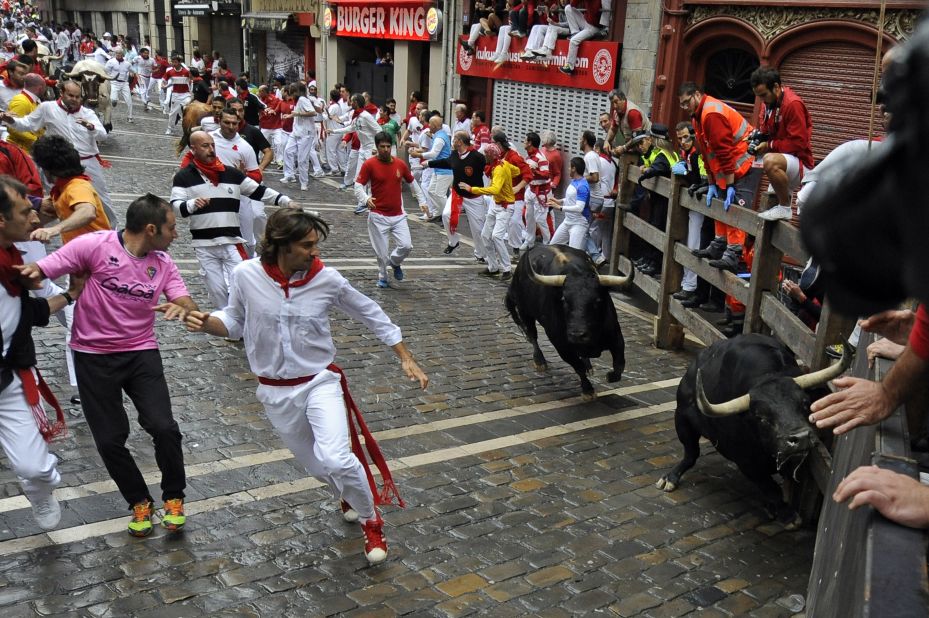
[[658, 157], [692, 171], [787, 128], [722, 137]]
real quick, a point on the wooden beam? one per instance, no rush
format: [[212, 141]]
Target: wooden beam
[[787, 238], [766, 266], [645, 231], [668, 331], [695, 323], [788, 328], [722, 279]]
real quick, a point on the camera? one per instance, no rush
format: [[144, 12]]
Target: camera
[[755, 138]]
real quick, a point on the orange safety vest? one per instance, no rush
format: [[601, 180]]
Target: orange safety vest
[[741, 129]]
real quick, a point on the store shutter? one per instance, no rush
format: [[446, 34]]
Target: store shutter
[[226, 33], [286, 53], [521, 107], [834, 80]]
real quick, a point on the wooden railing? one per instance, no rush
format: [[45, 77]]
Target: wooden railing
[[865, 564], [763, 311]]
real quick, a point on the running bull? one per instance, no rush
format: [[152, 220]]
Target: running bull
[[559, 288], [760, 419]]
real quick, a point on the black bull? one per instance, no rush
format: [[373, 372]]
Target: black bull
[[868, 224], [559, 288], [747, 396]]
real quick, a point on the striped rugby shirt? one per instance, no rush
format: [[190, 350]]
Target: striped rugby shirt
[[218, 222]]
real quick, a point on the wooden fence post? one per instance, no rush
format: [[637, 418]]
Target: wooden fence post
[[620, 233], [766, 265], [668, 331]]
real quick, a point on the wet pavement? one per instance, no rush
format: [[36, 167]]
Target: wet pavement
[[521, 498]]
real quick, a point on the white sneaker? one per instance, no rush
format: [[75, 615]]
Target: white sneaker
[[167, 131], [600, 260], [776, 213], [319, 174], [286, 180], [304, 188], [47, 512]]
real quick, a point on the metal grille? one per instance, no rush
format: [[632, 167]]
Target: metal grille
[[834, 80], [521, 107]]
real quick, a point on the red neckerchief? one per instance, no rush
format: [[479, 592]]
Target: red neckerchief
[[371, 108], [9, 276], [65, 107], [61, 183], [606, 157], [210, 170], [274, 271], [357, 112]]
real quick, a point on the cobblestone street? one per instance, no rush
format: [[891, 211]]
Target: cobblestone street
[[521, 499]]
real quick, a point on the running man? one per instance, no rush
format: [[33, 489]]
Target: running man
[[275, 300]]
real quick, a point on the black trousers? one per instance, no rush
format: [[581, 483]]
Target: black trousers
[[101, 380]]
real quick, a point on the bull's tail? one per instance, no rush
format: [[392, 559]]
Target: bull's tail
[[514, 313], [182, 143]]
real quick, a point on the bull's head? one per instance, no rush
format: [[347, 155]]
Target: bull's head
[[90, 75], [585, 303], [780, 406]]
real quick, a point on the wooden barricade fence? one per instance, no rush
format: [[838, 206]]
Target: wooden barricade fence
[[763, 311]]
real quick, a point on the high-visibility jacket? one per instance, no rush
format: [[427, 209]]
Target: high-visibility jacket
[[649, 159], [725, 153]]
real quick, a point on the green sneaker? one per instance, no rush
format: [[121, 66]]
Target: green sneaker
[[141, 523], [174, 514]]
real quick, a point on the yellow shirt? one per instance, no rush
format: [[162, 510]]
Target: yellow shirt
[[501, 183], [78, 191], [22, 105]]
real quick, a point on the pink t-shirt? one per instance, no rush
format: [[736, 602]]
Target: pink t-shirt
[[114, 312]]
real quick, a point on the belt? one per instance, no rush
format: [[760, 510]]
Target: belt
[[103, 162], [119, 80], [285, 381]]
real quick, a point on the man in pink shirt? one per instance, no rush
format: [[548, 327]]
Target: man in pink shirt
[[115, 350]]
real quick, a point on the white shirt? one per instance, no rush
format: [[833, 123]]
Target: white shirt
[[318, 104], [209, 124], [572, 209], [57, 121], [199, 64], [144, 67], [99, 55], [289, 336], [10, 311], [62, 41], [303, 124], [607, 178], [234, 151], [463, 125], [592, 163], [6, 95], [366, 126], [333, 114], [119, 71]]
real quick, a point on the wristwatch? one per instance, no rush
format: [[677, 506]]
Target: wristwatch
[[68, 298]]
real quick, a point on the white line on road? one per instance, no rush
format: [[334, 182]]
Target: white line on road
[[117, 525], [234, 463]]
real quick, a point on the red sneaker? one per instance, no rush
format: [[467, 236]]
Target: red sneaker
[[375, 543], [348, 513]]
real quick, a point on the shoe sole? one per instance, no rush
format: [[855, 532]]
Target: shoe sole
[[141, 534], [172, 527]]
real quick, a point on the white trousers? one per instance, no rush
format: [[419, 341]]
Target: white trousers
[[517, 228], [536, 219], [494, 237], [312, 421], [274, 138], [476, 210], [303, 149], [694, 226], [33, 251], [217, 263], [503, 43], [536, 36], [333, 154], [25, 449], [551, 36], [93, 169], [176, 108], [474, 33], [380, 230], [121, 89], [572, 234], [601, 230], [581, 31], [438, 192], [290, 155], [351, 168], [147, 86], [344, 150]]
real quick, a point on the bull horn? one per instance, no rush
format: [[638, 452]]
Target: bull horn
[[615, 281], [555, 281], [727, 408], [818, 378]]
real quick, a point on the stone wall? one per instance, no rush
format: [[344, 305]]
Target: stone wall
[[640, 49]]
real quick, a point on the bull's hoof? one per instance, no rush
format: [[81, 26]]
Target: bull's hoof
[[790, 519], [587, 397], [540, 367], [614, 376], [665, 484]]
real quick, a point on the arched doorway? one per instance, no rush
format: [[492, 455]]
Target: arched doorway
[[727, 77]]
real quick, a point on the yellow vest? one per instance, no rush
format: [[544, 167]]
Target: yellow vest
[[649, 159], [20, 106]]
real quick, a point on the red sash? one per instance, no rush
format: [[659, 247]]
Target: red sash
[[356, 423], [457, 201], [32, 389]]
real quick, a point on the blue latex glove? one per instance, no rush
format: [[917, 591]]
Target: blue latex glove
[[711, 194], [679, 168], [730, 197]]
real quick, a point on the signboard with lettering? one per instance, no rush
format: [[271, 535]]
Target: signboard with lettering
[[385, 21], [596, 68]]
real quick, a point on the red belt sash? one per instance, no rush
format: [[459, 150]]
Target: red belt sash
[[103, 162], [355, 424], [33, 387]]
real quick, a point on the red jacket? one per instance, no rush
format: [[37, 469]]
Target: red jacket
[[14, 162], [555, 165], [525, 172], [790, 127], [270, 117], [721, 134]]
